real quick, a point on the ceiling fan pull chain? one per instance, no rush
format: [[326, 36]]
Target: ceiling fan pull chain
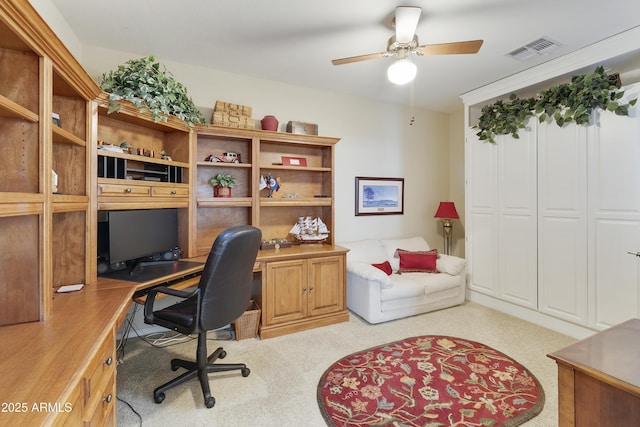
[[413, 117]]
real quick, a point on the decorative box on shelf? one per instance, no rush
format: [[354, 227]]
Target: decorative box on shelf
[[302, 128], [232, 115]]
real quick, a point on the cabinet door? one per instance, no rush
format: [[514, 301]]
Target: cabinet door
[[562, 221], [481, 201], [326, 285], [517, 217], [614, 217], [286, 289]]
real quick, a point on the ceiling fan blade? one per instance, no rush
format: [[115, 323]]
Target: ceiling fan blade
[[406, 23], [359, 58], [470, 46]]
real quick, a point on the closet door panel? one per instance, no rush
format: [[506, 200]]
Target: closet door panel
[[517, 213], [562, 224], [481, 180], [614, 216]]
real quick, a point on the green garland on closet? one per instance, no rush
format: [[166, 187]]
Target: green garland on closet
[[565, 103]]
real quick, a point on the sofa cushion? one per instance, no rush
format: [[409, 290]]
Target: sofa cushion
[[368, 251], [412, 285], [417, 261], [450, 264], [409, 244], [384, 266], [403, 286], [368, 272]]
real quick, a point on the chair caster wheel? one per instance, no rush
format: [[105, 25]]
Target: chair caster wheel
[[174, 365], [158, 398], [209, 402], [245, 372], [223, 354]]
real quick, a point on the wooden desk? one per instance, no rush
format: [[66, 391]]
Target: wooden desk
[[599, 379], [58, 371]]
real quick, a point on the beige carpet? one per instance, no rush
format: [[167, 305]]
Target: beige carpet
[[281, 390]]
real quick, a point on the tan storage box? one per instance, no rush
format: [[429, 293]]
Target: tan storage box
[[302, 128], [232, 121]]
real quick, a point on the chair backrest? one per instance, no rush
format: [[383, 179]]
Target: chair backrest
[[228, 275]]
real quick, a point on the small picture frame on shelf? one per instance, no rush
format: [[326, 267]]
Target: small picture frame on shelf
[[379, 196], [294, 161]]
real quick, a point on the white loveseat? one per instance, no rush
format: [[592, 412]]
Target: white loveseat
[[378, 297]]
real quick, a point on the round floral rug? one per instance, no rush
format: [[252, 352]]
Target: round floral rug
[[429, 381]]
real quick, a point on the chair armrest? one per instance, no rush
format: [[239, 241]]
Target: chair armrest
[[369, 272], [151, 298], [450, 264]]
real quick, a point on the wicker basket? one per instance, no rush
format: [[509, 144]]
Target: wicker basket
[[247, 324]]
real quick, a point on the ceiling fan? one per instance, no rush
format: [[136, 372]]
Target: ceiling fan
[[405, 43]]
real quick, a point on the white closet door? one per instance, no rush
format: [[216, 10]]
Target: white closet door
[[517, 213], [614, 218], [481, 217], [562, 221]]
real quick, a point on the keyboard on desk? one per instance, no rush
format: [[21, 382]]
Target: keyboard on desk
[[183, 282]]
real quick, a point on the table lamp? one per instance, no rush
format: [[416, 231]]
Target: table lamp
[[447, 212]]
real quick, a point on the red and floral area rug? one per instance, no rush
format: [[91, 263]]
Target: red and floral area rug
[[429, 381]]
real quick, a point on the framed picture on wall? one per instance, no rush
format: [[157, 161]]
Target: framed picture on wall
[[379, 196]]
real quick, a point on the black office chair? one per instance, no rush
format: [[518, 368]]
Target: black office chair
[[223, 294]]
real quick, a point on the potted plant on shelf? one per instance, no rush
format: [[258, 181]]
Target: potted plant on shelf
[[150, 87], [222, 184]]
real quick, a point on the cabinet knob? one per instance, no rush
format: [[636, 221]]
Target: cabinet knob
[[128, 190], [304, 289], [108, 398], [173, 191], [108, 361], [310, 289]]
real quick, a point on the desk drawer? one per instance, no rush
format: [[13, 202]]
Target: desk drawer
[[100, 371], [123, 190], [169, 192], [103, 413]]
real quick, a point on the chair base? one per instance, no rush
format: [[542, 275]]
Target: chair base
[[201, 367]]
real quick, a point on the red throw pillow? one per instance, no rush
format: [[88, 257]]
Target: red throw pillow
[[418, 261], [384, 266]]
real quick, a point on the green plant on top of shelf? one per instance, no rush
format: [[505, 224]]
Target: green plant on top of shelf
[[150, 87], [565, 103]]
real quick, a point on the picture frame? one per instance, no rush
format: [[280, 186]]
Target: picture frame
[[379, 196], [294, 161]]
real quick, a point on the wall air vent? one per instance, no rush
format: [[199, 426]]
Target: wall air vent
[[541, 46]]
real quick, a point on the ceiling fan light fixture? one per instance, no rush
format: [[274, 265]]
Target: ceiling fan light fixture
[[402, 71]]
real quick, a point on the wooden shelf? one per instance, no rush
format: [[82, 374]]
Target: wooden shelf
[[145, 159], [10, 109], [216, 202], [222, 164], [296, 168], [64, 137], [293, 202]]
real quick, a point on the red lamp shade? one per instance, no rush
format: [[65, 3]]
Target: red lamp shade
[[446, 210]]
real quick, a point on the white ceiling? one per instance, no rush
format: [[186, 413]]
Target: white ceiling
[[294, 41]]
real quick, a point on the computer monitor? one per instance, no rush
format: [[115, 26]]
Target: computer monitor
[[137, 234]]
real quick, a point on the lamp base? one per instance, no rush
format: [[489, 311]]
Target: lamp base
[[447, 227]]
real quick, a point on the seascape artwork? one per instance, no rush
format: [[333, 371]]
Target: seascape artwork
[[375, 196]]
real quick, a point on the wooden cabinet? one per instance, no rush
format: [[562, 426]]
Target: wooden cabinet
[[305, 190], [44, 228], [131, 181], [305, 290], [599, 379]]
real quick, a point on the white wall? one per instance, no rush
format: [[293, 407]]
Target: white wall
[[377, 139]]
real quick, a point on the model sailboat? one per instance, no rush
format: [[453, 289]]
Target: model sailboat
[[310, 230]]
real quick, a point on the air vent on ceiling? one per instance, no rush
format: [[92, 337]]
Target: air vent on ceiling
[[541, 46]]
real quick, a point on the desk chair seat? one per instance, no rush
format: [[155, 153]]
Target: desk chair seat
[[222, 295]]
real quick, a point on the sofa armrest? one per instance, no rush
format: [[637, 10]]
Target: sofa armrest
[[369, 272], [450, 264]]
